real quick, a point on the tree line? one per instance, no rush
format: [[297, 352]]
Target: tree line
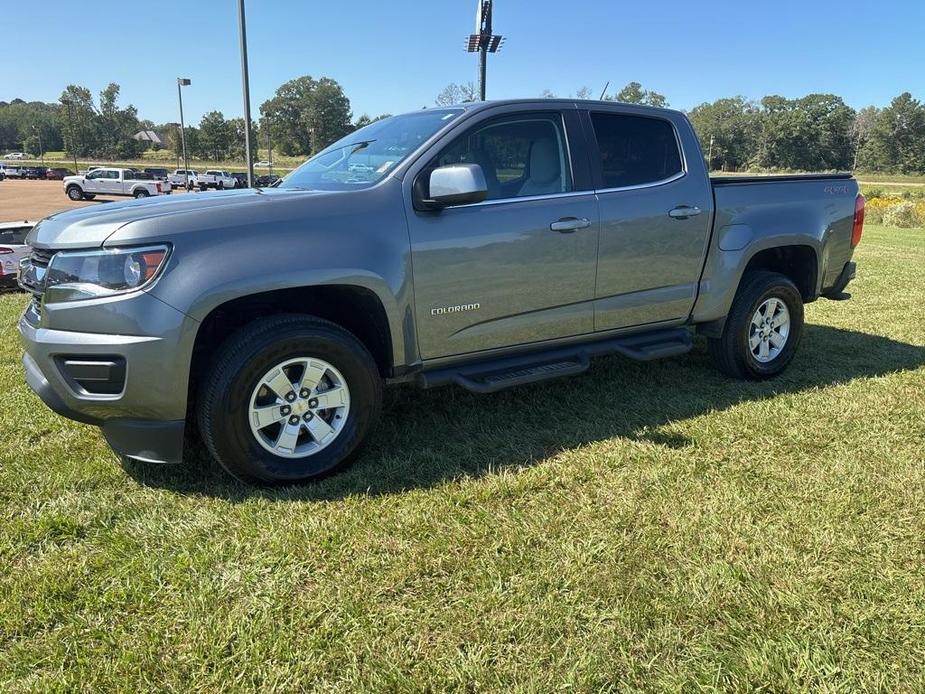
[[810, 133], [304, 116], [816, 132]]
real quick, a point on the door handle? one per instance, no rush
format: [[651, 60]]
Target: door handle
[[566, 225], [683, 212]]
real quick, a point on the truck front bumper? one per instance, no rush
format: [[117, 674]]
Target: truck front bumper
[[133, 387]]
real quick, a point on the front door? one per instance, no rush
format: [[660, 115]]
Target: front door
[[519, 267], [655, 222]]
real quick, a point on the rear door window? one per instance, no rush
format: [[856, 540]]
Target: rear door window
[[635, 150]]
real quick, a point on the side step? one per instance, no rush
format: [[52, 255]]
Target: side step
[[500, 373]]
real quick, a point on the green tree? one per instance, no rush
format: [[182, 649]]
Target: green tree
[[307, 114], [633, 93], [897, 137], [809, 134], [214, 140], [733, 125]]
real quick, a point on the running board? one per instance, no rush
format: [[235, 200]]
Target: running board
[[505, 372]]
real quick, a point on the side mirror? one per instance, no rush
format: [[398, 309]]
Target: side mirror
[[457, 184]]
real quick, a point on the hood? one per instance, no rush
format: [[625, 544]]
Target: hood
[[90, 226]]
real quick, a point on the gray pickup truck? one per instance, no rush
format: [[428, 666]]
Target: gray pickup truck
[[487, 245]]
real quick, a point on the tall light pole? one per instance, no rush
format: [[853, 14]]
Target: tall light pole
[[184, 82], [483, 41], [70, 118], [710, 156], [247, 95]]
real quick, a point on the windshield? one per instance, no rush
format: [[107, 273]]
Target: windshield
[[364, 157]]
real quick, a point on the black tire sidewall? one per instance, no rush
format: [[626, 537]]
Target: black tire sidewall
[[781, 288], [79, 193], [228, 432]]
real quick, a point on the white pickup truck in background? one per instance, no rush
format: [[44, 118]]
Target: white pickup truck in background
[[182, 177], [216, 179], [106, 181]]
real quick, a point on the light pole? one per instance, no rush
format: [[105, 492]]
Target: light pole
[[184, 82], [710, 156], [247, 95], [483, 41], [70, 118]]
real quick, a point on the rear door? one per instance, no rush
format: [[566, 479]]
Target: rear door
[[656, 211], [518, 267]]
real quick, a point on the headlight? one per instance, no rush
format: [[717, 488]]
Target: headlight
[[77, 275]]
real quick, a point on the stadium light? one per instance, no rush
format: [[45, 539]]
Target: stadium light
[[483, 41], [184, 82]]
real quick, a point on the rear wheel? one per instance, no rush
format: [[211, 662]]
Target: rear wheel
[[288, 399], [221, 185], [75, 193], [763, 328], [89, 196], [140, 193]]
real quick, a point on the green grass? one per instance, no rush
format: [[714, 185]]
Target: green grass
[[643, 527]]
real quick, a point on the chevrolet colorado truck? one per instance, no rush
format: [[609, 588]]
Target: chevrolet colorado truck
[[108, 181], [486, 245]]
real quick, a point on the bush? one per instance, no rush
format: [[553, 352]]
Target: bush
[[905, 215]]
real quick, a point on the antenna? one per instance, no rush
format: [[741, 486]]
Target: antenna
[[601, 97], [483, 41]]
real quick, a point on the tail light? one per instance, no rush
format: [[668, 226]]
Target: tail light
[[4, 250], [858, 228], [158, 186]]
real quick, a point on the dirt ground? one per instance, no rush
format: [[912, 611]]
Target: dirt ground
[[34, 200]]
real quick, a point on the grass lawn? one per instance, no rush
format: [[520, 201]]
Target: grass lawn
[[645, 526]]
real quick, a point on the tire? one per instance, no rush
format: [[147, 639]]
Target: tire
[[221, 185], [140, 193], [74, 193], [89, 196], [736, 353], [235, 383]]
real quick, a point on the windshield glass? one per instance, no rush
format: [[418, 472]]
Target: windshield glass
[[364, 157]]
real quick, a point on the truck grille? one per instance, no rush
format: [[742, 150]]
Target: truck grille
[[32, 277]]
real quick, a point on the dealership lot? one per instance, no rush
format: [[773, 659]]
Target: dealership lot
[[36, 199]]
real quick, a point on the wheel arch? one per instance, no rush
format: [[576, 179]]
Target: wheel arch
[[355, 308]]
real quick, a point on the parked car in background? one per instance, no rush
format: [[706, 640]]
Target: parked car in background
[[241, 179], [158, 173], [11, 170], [111, 182], [213, 178], [15, 155], [264, 164], [57, 174], [34, 173], [181, 178], [267, 180], [13, 249], [541, 233]]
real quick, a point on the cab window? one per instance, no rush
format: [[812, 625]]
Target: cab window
[[635, 150], [521, 156]]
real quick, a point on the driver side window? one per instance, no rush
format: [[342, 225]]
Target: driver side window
[[520, 156]]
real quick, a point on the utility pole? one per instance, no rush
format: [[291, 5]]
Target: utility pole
[[483, 41], [184, 82], [269, 149], [710, 156], [247, 95]]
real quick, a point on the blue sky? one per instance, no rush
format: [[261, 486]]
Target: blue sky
[[396, 55]]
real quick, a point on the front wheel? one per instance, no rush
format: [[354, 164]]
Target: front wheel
[[75, 193], [288, 399], [763, 328]]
